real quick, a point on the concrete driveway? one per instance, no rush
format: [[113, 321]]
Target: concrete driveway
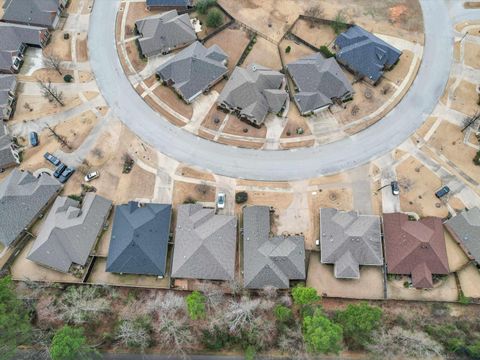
[[344, 154]]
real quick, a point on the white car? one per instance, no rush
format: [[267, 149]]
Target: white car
[[221, 201], [90, 176]]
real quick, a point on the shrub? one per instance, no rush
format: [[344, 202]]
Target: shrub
[[241, 197], [321, 335], [358, 323], [214, 18], [250, 353], [68, 78], [476, 159], [338, 24], [283, 313], [196, 305], [462, 299], [217, 338], [304, 295], [326, 52], [288, 49], [70, 344], [203, 5]]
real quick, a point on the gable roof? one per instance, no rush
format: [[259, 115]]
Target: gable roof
[[255, 91], [269, 261], [465, 229], [139, 241], [8, 84], [12, 36], [349, 240], [194, 69], [70, 232], [319, 81], [22, 197], [205, 244], [33, 12], [365, 53], [170, 3], [164, 32], [6, 153], [415, 247]]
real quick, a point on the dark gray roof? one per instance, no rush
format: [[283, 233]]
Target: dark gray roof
[[205, 244], [170, 3], [269, 261], [70, 232], [7, 157], [465, 228], [8, 84], [139, 240], [365, 53], [319, 82], [349, 240], [194, 69], [12, 36], [22, 197], [31, 12], [164, 32], [255, 91]]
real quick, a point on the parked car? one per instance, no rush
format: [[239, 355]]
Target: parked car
[[54, 160], [442, 192], [34, 139], [90, 176], [60, 169], [395, 188], [221, 200], [66, 174]]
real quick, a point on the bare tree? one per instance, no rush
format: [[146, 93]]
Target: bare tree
[[470, 121], [97, 152], [52, 61], [235, 287], [270, 292], [355, 110], [241, 313], [132, 333], [169, 304], [80, 304], [213, 294], [314, 12], [60, 138], [40, 340], [291, 342], [175, 333], [386, 89], [51, 92], [401, 343]]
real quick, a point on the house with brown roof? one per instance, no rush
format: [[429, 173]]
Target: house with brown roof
[[415, 248]]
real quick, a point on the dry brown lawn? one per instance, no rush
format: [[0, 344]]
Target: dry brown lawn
[[41, 107], [136, 11], [166, 115], [472, 55], [264, 53], [82, 49], [183, 191], [297, 51], [240, 143], [235, 126], [295, 121], [456, 256], [470, 281], [77, 129], [233, 42], [170, 97], [214, 113], [418, 185], [445, 290], [59, 47], [426, 126], [464, 98], [317, 35], [133, 54], [194, 173], [400, 71], [297, 144]]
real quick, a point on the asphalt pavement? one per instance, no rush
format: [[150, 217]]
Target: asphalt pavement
[[272, 165]]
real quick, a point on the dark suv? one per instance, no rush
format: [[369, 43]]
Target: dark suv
[[60, 169], [66, 174], [54, 160], [442, 192]]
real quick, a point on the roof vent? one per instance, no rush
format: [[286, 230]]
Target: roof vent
[[254, 68]]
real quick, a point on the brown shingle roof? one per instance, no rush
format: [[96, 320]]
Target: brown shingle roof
[[415, 247]]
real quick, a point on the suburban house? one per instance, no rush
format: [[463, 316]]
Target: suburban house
[[269, 261], [415, 248], [319, 83], [70, 232], [465, 229], [45, 13], [14, 40], [139, 242], [194, 70], [163, 33], [348, 240], [23, 198], [8, 150], [205, 244], [365, 54], [169, 4], [8, 87], [254, 92]]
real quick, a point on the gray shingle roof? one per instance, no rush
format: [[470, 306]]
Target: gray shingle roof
[[170, 3], [7, 157], [364, 53], [8, 84], [254, 92], [194, 69], [269, 261], [22, 197], [465, 228], [319, 82], [12, 37], [70, 232], [349, 240], [139, 240], [31, 12], [205, 244], [165, 32]]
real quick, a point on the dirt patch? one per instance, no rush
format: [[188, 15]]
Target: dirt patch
[[233, 42], [172, 119], [295, 122], [240, 143], [471, 5], [321, 277], [214, 119], [297, 51], [59, 47], [150, 81], [77, 129], [264, 53], [318, 35], [401, 69], [469, 279], [472, 55], [82, 49], [183, 192], [170, 97], [41, 107], [297, 144], [418, 185], [133, 54], [237, 127], [464, 98], [194, 173], [444, 290], [426, 126], [46, 75], [456, 256]]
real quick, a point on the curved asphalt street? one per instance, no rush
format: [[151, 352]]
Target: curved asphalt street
[[344, 154]]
